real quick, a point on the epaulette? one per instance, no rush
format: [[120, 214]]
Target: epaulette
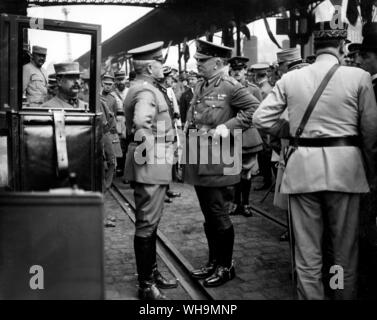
[[229, 79]]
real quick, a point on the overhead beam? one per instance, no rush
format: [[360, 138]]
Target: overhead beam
[[135, 3]]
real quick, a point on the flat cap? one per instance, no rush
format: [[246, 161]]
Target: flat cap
[[238, 62], [67, 68], [52, 79], [327, 30], [119, 74], [205, 49], [151, 51], [287, 55], [166, 71], [39, 50]]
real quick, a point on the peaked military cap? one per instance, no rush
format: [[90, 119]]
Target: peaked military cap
[[205, 49], [52, 79], [151, 51], [238, 62], [119, 74], [39, 50], [67, 68], [327, 30], [370, 37], [166, 71], [259, 67], [192, 73], [107, 77], [291, 54]]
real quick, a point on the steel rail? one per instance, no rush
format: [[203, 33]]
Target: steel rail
[[169, 254]]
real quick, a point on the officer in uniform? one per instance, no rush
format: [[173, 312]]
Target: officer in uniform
[[68, 83], [84, 93], [261, 78], [184, 102], [264, 156], [119, 93], [251, 143], [367, 59], [148, 162], [288, 60], [52, 88], [34, 78], [111, 103], [325, 174], [220, 105]]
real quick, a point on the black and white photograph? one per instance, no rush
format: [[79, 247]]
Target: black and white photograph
[[199, 153]]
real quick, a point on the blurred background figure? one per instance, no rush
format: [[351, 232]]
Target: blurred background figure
[[84, 92], [34, 78]]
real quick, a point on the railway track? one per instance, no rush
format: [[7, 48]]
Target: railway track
[[169, 254]]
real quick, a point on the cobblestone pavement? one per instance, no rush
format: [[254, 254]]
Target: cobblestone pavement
[[262, 262]]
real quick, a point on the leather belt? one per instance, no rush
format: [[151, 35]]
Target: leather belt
[[350, 141]]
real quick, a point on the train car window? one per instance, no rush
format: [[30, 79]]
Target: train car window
[[51, 79]]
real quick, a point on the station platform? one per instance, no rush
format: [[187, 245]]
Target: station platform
[[262, 261]]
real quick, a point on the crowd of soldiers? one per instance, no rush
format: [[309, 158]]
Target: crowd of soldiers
[[320, 161]]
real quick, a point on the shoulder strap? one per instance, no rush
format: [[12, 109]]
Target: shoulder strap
[[314, 100]]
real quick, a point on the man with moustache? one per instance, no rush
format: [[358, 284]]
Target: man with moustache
[[148, 163], [68, 84], [34, 78], [219, 106]]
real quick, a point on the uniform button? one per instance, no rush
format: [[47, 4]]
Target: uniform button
[[195, 112]]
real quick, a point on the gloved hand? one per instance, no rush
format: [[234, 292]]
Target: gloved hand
[[221, 131]]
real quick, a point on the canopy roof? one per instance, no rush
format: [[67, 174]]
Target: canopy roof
[[191, 19]]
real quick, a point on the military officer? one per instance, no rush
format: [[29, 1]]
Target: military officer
[[110, 101], [261, 78], [367, 59], [288, 60], [251, 143], [148, 162], [119, 93], [184, 102], [325, 174], [238, 68], [52, 87], [34, 78], [68, 83], [219, 106], [84, 93]]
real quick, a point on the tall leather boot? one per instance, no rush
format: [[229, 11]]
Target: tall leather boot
[[205, 271], [160, 280], [225, 268], [144, 263]]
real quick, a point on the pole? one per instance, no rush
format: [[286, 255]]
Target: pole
[[238, 40], [179, 58]]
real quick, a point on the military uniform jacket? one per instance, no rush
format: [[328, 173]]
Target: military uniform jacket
[[147, 115], [251, 139], [222, 100], [184, 103], [347, 107], [58, 103], [34, 83]]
